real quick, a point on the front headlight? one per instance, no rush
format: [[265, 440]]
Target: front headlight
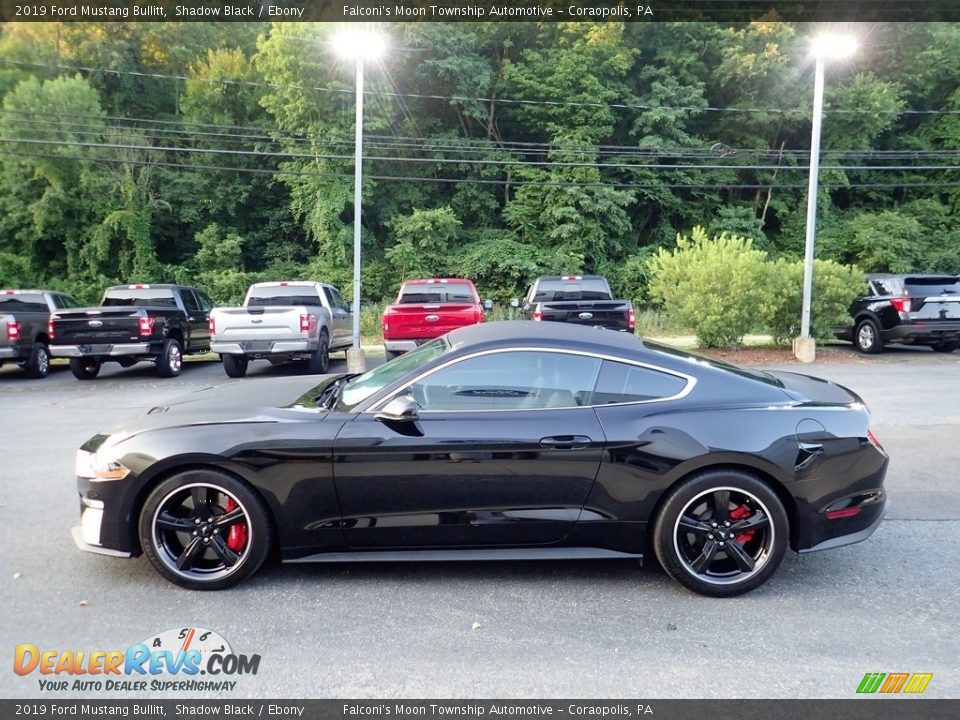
[[94, 467]]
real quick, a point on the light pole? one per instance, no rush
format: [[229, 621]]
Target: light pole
[[833, 47], [359, 45]]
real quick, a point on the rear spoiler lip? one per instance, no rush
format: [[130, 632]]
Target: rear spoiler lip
[[798, 396]]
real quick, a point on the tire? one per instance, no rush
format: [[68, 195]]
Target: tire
[[85, 368], [692, 555], [235, 365], [38, 365], [945, 347], [181, 523], [170, 362], [867, 338], [320, 360], [391, 354]]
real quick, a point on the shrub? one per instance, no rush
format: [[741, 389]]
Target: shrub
[[716, 287], [835, 286]]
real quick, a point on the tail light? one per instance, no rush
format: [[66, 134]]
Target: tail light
[[537, 315], [212, 325], [873, 441], [146, 326], [13, 330], [50, 329], [631, 320], [901, 304], [304, 322]]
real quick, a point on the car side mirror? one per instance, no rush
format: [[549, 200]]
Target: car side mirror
[[402, 408], [488, 304], [514, 303]]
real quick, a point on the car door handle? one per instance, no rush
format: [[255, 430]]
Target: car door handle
[[566, 442]]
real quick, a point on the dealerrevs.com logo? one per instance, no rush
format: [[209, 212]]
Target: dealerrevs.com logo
[[190, 659], [894, 683]]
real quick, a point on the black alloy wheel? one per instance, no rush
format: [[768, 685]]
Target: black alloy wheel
[[38, 365], [235, 365], [866, 337], [85, 368], [170, 362], [721, 533], [205, 530]]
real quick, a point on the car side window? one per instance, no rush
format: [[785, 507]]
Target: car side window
[[189, 301], [622, 383], [884, 287], [335, 300], [521, 380], [206, 304]]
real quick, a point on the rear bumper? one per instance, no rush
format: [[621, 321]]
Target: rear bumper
[[401, 345], [855, 536], [9, 353], [263, 347], [923, 333], [100, 350]]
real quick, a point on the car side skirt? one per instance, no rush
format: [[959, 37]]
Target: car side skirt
[[466, 554]]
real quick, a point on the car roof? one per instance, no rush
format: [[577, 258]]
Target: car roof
[[25, 291], [431, 281], [523, 332], [902, 276]]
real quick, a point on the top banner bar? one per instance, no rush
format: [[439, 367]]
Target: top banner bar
[[479, 11]]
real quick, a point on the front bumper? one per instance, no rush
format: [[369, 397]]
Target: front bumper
[[264, 347], [77, 533], [100, 350], [87, 535]]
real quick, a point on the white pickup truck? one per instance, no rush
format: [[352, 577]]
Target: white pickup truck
[[281, 321]]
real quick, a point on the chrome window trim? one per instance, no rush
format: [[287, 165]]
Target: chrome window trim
[[691, 381]]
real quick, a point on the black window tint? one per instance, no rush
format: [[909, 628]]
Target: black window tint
[[619, 382], [423, 293], [205, 302], [139, 297], [917, 286], [23, 302], [885, 287], [337, 300], [189, 300], [562, 290], [281, 295], [522, 380]]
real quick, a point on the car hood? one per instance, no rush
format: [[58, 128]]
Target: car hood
[[269, 400]]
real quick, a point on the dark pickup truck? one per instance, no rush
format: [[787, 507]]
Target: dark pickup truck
[[579, 299], [24, 327], [156, 323]]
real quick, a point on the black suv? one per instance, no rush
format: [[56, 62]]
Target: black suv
[[913, 309]]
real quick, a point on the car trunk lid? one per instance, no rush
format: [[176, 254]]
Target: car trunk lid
[[807, 388], [98, 325]]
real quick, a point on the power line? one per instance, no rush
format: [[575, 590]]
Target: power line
[[463, 98], [483, 181]]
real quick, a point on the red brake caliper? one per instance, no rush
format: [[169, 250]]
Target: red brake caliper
[[739, 513], [237, 535]]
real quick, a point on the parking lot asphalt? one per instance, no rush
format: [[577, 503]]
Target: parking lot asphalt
[[533, 629]]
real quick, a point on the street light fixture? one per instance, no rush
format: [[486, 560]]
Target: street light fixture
[[834, 47], [360, 45]]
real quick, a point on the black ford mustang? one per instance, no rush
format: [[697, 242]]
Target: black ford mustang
[[500, 440]]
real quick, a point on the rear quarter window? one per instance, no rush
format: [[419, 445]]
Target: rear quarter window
[[622, 383]]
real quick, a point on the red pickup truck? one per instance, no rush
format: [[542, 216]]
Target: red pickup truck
[[428, 308]]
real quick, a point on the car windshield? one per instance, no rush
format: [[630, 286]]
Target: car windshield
[[139, 297], [284, 295], [23, 302], [436, 293], [561, 290], [359, 389]]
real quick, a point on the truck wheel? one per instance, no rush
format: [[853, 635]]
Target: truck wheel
[[320, 360], [866, 337], [38, 366], [170, 362], [235, 365], [85, 368], [391, 354]]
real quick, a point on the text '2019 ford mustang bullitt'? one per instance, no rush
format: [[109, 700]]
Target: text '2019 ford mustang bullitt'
[[500, 440]]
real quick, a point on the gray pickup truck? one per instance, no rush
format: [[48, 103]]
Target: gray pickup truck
[[282, 321], [25, 327]]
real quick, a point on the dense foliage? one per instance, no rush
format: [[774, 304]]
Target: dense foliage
[[222, 153]]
